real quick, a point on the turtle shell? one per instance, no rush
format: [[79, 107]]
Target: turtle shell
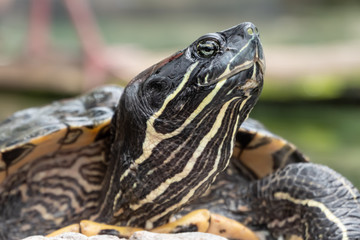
[[259, 152], [32, 133], [37, 143]]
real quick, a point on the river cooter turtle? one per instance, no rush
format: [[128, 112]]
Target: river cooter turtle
[[168, 144]]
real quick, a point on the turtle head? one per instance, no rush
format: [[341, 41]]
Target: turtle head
[[224, 65], [175, 123], [218, 68]]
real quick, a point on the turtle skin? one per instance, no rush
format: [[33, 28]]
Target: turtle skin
[[40, 180], [32, 168], [52, 162]]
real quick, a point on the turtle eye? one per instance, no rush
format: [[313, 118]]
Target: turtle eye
[[207, 48]]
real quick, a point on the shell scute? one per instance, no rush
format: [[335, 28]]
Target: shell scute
[[258, 152], [66, 124]]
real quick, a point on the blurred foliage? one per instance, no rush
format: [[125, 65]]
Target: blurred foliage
[[170, 24], [324, 86], [328, 132]]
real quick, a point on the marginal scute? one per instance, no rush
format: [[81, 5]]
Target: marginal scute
[[71, 136], [32, 133], [103, 132], [12, 156], [258, 152]]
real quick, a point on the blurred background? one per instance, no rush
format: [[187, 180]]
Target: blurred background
[[51, 49]]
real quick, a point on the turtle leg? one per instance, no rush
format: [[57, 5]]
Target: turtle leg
[[71, 228], [200, 220], [229, 228], [304, 199]]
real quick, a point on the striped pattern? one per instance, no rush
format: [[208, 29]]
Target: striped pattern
[[55, 193], [170, 137], [199, 145], [52, 163], [307, 200], [73, 123], [312, 204]]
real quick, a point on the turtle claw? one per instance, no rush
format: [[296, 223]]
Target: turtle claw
[[203, 220], [195, 221], [90, 228], [71, 228], [230, 228]]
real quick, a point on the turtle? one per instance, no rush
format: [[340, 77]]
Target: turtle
[[173, 151]]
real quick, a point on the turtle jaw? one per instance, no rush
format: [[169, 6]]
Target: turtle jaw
[[243, 59], [246, 79], [250, 77], [259, 59]]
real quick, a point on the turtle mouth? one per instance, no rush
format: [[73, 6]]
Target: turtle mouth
[[259, 59], [255, 71], [257, 64]]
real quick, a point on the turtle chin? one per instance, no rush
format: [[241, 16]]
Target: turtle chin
[[254, 81], [247, 83]]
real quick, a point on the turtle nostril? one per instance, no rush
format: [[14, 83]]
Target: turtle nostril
[[250, 31], [253, 31]]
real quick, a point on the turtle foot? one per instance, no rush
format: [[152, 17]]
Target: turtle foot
[[200, 220]]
